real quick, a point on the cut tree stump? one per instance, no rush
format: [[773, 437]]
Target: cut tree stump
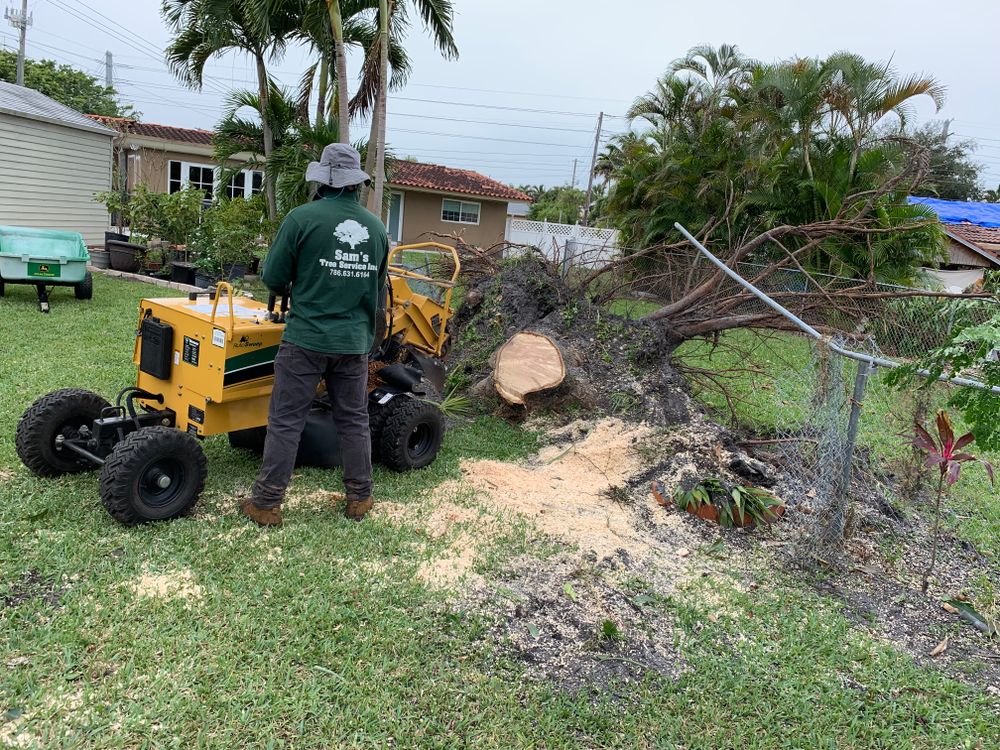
[[528, 363]]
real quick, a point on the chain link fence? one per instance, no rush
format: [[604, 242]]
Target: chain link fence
[[834, 420]]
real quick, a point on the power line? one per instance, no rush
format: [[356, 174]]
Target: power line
[[156, 54], [497, 106], [545, 94], [487, 122], [485, 138]]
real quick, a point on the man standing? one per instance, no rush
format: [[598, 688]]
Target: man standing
[[332, 254]]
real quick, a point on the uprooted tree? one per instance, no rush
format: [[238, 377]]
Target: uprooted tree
[[795, 174]]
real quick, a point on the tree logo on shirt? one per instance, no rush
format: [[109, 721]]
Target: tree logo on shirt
[[351, 232]]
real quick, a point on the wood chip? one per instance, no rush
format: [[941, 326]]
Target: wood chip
[[811, 493], [683, 552], [949, 608], [940, 648]]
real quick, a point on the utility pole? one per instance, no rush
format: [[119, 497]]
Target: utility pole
[[593, 165], [573, 181], [945, 130], [21, 21], [109, 79]]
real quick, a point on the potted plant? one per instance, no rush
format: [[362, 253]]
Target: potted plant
[[117, 204], [145, 219], [729, 505]]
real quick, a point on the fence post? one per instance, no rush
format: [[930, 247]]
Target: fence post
[[839, 514]]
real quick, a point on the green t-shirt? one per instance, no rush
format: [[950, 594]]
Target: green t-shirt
[[332, 252]]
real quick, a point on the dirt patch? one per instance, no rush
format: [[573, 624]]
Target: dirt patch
[[32, 585], [176, 584], [878, 580], [573, 623], [314, 500]]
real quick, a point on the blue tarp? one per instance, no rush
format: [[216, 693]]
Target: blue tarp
[[956, 212]]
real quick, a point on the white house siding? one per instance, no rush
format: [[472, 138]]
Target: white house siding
[[49, 174]]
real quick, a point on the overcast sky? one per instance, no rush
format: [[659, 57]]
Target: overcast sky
[[521, 102]]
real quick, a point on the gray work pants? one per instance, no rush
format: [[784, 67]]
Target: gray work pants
[[297, 372]]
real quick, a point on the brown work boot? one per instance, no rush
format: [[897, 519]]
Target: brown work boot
[[261, 516], [358, 509]]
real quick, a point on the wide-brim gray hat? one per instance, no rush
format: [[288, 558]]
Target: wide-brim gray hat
[[338, 167]]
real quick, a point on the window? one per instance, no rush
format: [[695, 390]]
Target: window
[[462, 212], [237, 185], [244, 184], [183, 174]]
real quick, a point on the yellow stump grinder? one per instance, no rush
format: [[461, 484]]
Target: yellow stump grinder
[[206, 367]]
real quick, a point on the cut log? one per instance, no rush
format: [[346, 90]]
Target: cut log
[[528, 363]]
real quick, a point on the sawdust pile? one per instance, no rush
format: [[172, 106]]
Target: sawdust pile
[[587, 488], [567, 489], [177, 584]]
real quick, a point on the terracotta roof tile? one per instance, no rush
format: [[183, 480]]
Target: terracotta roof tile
[[152, 130], [974, 233], [451, 180]]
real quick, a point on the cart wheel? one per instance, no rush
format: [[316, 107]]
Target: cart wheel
[[412, 434], [1, 289], [60, 413], [85, 289], [251, 439], [153, 474]]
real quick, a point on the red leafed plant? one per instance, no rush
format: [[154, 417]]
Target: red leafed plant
[[944, 452]]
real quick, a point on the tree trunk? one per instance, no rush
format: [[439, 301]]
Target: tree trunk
[[324, 82], [265, 101], [366, 191], [383, 86], [343, 110]]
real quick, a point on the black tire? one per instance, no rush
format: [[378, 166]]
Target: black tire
[[85, 289], [251, 439], [129, 484], [61, 412], [412, 434], [377, 415]]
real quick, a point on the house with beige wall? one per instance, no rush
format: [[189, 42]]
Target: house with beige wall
[[426, 201], [168, 159], [434, 202]]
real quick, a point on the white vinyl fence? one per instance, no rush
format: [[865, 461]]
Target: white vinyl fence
[[570, 244]]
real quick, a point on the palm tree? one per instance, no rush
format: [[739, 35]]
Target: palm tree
[[360, 29], [862, 93], [203, 29], [437, 17], [237, 133]]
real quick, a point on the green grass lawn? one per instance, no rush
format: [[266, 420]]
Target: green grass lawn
[[319, 635]]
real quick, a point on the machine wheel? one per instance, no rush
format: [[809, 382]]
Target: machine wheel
[[412, 434], [61, 412], [153, 474], [249, 440], [85, 289], [377, 415]]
